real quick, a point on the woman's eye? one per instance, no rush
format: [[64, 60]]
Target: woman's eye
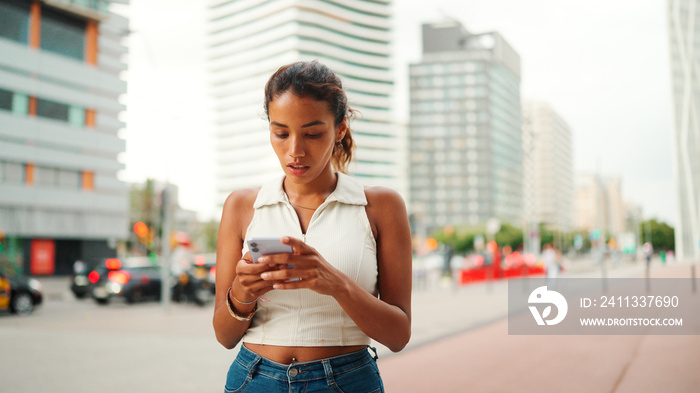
[[281, 135], [314, 136]]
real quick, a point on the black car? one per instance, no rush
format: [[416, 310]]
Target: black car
[[79, 282], [19, 295], [133, 279]]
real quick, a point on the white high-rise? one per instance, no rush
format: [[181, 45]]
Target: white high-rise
[[599, 205], [684, 35], [548, 167], [249, 40]]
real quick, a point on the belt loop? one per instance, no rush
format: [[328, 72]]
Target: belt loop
[[252, 366], [376, 357], [329, 371]]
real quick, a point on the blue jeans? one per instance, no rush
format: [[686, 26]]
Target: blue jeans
[[355, 372]]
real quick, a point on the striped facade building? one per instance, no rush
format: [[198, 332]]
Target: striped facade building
[[684, 35], [60, 199], [249, 40]]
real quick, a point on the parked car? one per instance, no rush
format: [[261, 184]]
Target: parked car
[[19, 295], [133, 279], [79, 282]]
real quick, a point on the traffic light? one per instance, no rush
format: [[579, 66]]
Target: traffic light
[[142, 233], [2, 241], [140, 229]]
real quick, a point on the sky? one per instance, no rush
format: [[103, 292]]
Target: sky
[[603, 66]]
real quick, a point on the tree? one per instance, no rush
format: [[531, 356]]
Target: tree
[[209, 233], [661, 235], [461, 240]]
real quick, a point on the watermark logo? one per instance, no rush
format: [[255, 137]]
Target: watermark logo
[[542, 296]]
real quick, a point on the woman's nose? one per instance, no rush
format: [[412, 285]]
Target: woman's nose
[[296, 147]]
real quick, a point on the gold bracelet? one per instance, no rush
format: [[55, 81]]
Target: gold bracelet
[[238, 301], [231, 310]]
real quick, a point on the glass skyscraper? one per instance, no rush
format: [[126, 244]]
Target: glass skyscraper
[[465, 129]]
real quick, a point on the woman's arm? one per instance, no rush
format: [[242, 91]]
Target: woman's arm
[[234, 271], [386, 319]]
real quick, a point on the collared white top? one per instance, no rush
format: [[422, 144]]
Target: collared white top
[[340, 231]]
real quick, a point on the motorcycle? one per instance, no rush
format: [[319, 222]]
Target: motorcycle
[[195, 285]]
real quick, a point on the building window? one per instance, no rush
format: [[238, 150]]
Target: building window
[[52, 110], [14, 20], [68, 179], [14, 173], [6, 98], [44, 176], [76, 116], [62, 34], [20, 104]]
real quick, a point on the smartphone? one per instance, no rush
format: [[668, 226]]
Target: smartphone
[[259, 246]]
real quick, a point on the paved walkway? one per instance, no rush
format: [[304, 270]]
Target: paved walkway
[[484, 358]]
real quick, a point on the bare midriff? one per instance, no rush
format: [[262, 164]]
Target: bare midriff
[[288, 355]]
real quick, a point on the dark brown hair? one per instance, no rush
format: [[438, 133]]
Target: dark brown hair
[[314, 80]]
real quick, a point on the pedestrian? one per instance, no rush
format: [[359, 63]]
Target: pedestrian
[[308, 327], [551, 264]]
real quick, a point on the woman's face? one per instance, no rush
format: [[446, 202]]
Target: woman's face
[[302, 133]]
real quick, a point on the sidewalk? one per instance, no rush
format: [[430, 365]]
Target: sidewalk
[[487, 359]]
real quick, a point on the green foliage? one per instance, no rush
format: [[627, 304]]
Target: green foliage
[[509, 235], [209, 233], [462, 239], [661, 234]]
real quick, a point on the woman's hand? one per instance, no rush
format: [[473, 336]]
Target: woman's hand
[[250, 285], [310, 270]]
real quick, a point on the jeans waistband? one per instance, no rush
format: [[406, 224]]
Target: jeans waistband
[[304, 371]]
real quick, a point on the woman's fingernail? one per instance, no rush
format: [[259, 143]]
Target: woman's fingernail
[[262, 259], [265, 276]]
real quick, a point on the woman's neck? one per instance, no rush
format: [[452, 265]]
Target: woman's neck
[[312, 193]]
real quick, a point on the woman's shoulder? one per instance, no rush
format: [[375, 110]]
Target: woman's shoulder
[[241, 199], [379, 197], [385, 209]]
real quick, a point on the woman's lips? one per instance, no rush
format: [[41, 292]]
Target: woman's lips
[[297, 169]]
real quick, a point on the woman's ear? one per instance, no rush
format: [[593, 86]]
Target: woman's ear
[[342, 129]]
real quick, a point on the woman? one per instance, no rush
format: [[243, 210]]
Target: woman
[[307, 327]]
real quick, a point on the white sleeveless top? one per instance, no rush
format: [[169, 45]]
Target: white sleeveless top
[[340, 231]]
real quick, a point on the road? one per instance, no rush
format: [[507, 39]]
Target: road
[[71, 345]]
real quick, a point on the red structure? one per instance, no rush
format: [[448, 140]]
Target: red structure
[[513, 265]]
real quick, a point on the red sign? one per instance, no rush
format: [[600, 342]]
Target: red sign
[[43, 257]]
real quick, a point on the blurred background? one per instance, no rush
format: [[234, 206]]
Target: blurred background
[[509, 127], [553, 119]]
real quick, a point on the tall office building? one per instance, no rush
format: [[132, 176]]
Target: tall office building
[[60, 199], [599, 205], [684, 35], [465, 129], [548, 165], [249, 40]]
